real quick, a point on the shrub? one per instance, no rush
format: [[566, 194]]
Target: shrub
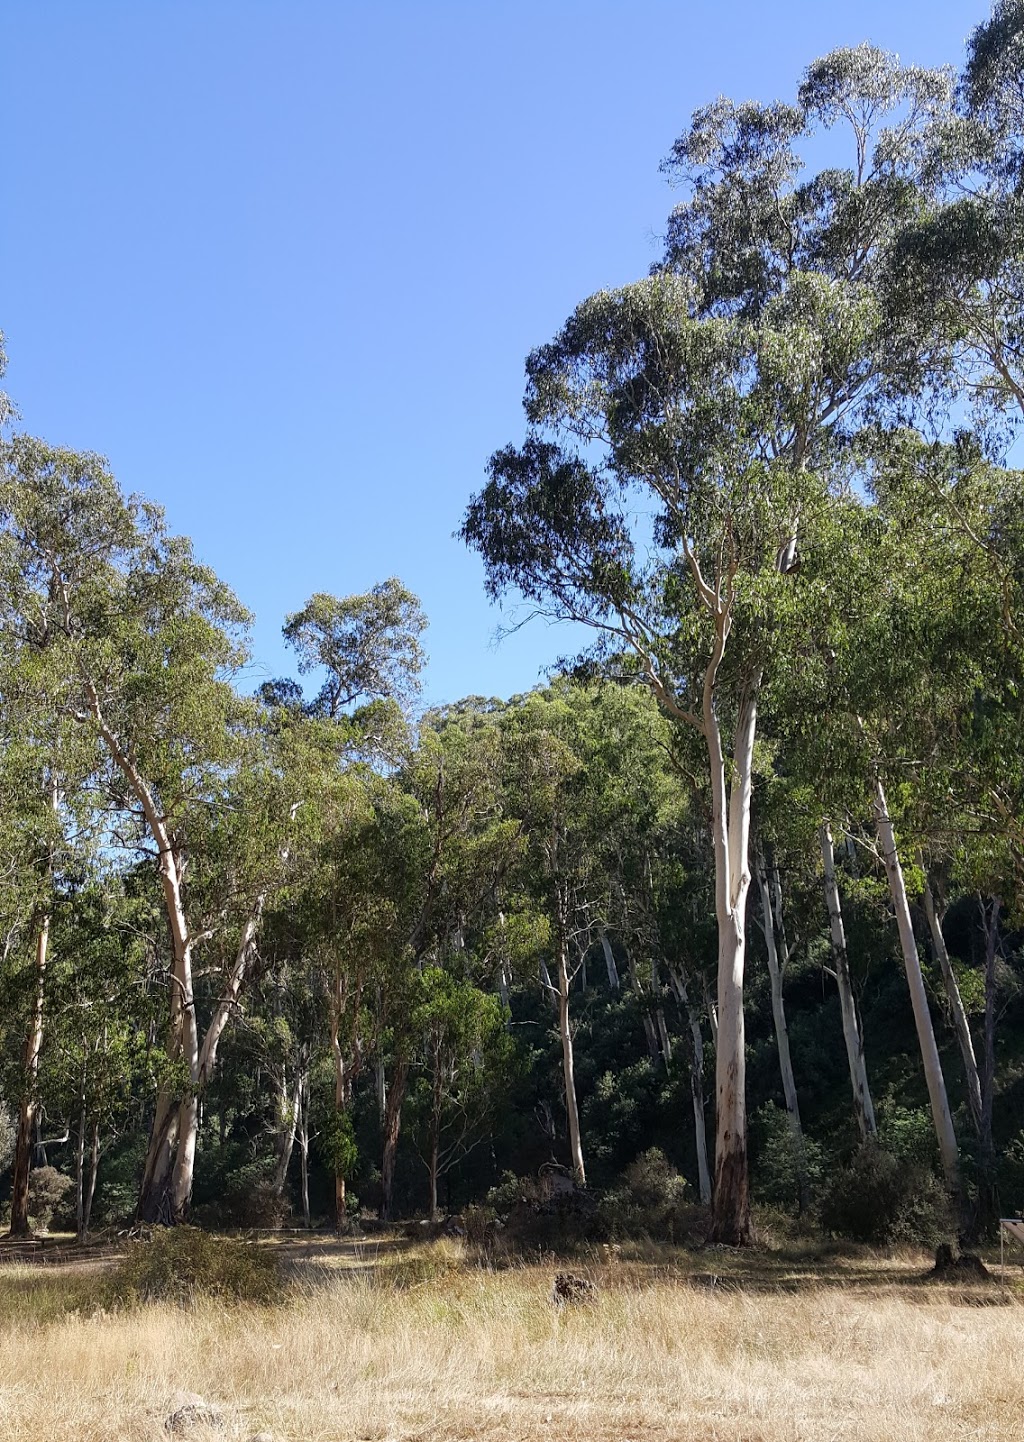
[[524, 1214], [248, 1200], [47, 1188], [879, 1199], [650, 1201], [776, 1175], [183, 1264]]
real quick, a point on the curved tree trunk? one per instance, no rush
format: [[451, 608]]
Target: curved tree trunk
[[941, 1115], [863, 1106]]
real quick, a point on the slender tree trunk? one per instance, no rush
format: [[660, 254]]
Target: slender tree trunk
[[304, 1148], [941, 1114], [392, 1126], [90, 1191], [28, 1108], [288, 1125], [696, 1085], [956, 1007], [609, 961], [80, 1163], [863, 1106], [433, 1168], [775, 972], [568, 1070], [987, 1198], [340, 1199]]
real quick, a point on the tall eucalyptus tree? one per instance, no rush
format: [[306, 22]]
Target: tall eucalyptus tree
[[718, 393]]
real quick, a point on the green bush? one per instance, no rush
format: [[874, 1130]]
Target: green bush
[[184, 1264], [650, 1201], [775, 1165], [47, 1189], [881, 1200]]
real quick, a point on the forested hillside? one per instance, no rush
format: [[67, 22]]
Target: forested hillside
[[736, 896]]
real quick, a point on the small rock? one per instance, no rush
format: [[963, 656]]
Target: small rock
[[571, 1290], [189, 1410]]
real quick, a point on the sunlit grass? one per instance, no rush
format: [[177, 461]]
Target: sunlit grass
[[387, 1341]]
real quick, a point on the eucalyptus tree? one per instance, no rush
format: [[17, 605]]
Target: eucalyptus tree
[[365, 650], [717, 393], [464, 1065], [148, 641]]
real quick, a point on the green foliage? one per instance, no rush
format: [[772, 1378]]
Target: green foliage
[[651, 1201], [47, 1190], [186, 1265], [882, 1200], [777, 1167]]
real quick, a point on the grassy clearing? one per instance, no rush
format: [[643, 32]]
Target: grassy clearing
[[385, 1342]]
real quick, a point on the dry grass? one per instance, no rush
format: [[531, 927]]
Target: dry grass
[[401, 1344]]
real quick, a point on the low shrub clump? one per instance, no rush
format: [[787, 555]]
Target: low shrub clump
[[651, 1201], [185, 1264], [47, 1191], [883, 1200]]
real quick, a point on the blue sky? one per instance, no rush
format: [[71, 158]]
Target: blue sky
[[282, 262]]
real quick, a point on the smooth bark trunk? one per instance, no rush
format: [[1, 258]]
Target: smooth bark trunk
[[609, 962], [568, 1069], [80, 1164], [730, 1205], [304, 1149], [941, 1115], [288, 1125], [957, 1011], [28, 1108], [863, 1107], [771, 916], [90, 1191]]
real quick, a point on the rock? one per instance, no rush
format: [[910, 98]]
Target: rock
[[263, 1437], [570, 1290], [953, 1266], [189, 1410]]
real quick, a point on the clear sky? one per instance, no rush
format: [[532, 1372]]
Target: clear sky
[[281, 261]]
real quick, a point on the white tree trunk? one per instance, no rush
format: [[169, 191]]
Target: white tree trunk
[[568, 1072], [609, 961], [775, 972], [941, 1115], [731, 1223], [862, 1104], [956, 1007], [288, 1123]]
